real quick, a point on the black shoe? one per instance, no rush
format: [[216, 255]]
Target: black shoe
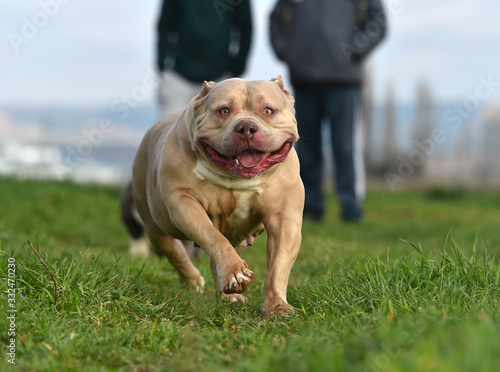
[[351, 215], [351, 220], [313, 216]]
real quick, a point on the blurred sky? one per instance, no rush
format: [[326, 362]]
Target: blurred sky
[[68, 52]]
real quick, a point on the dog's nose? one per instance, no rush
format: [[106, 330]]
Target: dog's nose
[[246, 129]]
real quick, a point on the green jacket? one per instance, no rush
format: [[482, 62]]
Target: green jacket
[[204, 39]]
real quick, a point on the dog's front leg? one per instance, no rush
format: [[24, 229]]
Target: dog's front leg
[[283, 244], [188, 215]]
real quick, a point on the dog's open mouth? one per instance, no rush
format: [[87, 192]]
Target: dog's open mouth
[[250, 162]]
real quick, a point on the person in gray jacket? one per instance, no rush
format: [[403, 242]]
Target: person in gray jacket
[[324, 43]]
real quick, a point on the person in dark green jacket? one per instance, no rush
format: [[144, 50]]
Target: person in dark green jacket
[[200, 40]]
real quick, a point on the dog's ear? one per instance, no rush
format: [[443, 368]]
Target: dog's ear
[[279, 82], [205, 89]]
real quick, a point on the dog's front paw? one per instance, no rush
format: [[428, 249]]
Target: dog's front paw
[[235, 278]]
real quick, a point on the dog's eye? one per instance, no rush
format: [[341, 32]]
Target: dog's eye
[[224, 111], [268, 111]]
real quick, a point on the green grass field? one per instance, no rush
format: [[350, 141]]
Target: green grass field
[[415, 287]]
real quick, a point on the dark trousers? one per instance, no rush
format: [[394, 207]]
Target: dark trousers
[[339, 106]]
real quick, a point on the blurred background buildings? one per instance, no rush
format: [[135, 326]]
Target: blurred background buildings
[[78, 90]]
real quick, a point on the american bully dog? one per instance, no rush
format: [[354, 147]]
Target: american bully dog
[[219, 173]]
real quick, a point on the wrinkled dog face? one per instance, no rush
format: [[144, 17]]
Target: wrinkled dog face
[[244, 127]]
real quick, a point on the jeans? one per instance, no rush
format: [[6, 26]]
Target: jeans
[[339, 106]]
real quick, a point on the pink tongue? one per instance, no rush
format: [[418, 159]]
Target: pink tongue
[[251, 158]]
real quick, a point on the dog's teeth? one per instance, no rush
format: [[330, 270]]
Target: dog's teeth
[[237, 161]]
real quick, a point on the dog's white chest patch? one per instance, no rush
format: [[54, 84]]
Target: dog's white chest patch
[[242, 210]]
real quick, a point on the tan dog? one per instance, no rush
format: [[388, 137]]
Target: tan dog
[[220, 173]]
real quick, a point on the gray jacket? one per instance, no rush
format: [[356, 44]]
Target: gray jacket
[[325, 41]]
